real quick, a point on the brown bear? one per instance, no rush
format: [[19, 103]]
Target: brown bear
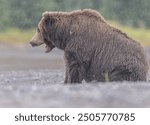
[[93, 49]]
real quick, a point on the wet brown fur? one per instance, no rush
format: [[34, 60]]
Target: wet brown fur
[[93, 48]]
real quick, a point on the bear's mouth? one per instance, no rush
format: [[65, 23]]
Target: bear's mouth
[[48, 49]]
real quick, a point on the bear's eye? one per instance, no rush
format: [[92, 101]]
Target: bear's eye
[[38, 30]]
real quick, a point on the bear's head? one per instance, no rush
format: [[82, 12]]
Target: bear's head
[[45, 32]]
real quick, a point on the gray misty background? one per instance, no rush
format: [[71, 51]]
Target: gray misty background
[[31, 78]]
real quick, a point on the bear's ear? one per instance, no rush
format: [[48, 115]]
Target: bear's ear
[[49, 18], [46, 13]]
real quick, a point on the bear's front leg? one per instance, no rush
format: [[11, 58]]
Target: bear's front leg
[[74, 69], [66, 76]]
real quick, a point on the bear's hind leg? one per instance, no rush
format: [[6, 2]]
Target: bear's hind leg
[[133, 74], [138, 75]]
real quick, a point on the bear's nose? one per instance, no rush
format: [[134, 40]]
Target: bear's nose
[[33, 44]]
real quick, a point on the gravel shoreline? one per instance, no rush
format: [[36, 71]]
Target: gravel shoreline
[[31, 78]]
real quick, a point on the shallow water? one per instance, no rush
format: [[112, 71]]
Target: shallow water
[[31, 78]]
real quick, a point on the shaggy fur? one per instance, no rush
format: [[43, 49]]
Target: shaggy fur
[[93, 49]]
